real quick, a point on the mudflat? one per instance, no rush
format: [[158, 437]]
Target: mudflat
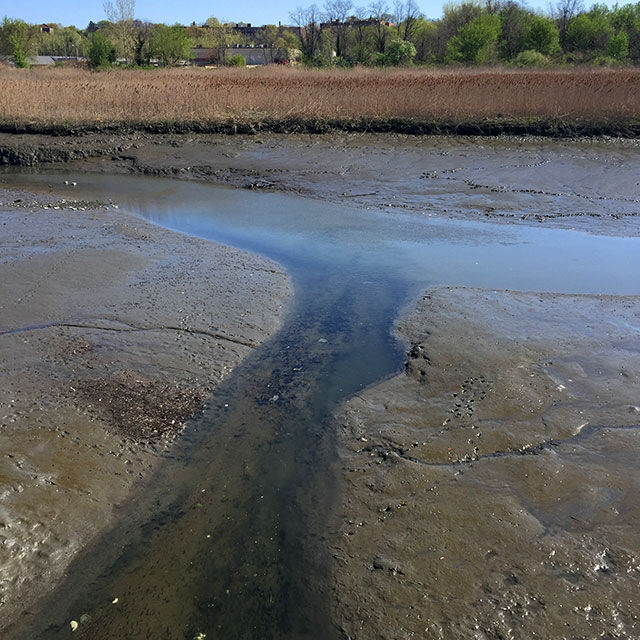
[[588, 184], [112, 334], [489, 489]]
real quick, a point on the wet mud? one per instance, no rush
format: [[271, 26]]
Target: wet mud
[[112, 333], [486, 492], [589, 184], [489, 488]]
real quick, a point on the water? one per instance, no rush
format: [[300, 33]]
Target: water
[[231, 538]]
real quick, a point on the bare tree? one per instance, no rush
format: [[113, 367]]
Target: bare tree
[[563, 12], [380, 13], [406, 15], [120, 14], [336, 13], [119, 10], [308, 22], [359, 32]]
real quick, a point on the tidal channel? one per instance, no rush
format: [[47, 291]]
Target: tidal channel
[[230, 539]]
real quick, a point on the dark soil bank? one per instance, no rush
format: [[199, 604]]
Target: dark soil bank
[[533, 126]]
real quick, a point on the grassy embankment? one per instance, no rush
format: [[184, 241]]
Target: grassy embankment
[[489, 101]]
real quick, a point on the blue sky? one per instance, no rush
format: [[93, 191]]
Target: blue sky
[[79, 12]]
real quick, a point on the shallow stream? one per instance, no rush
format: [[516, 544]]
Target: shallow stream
[[231, 538]]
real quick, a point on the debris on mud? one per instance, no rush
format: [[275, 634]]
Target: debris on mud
[[142, 409]]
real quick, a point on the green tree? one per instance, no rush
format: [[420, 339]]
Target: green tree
[[618, 47], [563, 12], [589, 33], [424, 40], [541, 35], [400, 52], [513, 19], [101, 52], [627, 18], [170, 44], [17, 40], [67, 41], [475, 42], [455, 16]]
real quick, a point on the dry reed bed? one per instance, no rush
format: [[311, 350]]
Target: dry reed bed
[[253, 95]]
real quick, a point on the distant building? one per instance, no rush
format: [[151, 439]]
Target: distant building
[[386, 20], [245, 29], [47, 28], [49, 61]]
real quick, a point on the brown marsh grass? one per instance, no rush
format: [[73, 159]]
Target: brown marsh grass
[[192, 95]]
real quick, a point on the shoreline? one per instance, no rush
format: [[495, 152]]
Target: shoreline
[[478, 179], [473, 178], [552, 128], [108, 350]]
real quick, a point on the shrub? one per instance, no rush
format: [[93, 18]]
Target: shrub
[[530, 58], [400, 53], [237, 61], [605, 61], [379, 59]]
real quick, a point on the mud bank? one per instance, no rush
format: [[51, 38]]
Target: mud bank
[[489, 490], [112, 334], [588, 184], [622, 127]]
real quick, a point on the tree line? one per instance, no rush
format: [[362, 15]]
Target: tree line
[[470, 33], [340, 34]]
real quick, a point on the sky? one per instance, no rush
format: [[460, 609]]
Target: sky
[[258, 12]]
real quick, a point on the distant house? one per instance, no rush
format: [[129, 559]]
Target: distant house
[[49, 61], [41, 61], [386, 20], [47, 28]]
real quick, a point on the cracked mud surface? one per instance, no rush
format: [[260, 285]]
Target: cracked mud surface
[[489, 489], [112, 333]]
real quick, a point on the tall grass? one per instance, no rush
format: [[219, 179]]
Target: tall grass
[[69, 96]]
